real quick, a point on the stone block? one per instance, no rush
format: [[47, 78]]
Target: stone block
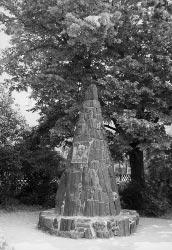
[[55, 224], [99, 226], [90, 208], [65, 234], [137, 219], [77, 235], [102, 211], [80, 229], [121, 225], [89, 234], [46, 222], [67, 224], [132, 226], [114, 228], [126, 227], [103, 234], [83, 225]]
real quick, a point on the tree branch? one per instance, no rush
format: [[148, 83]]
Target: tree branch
[[41, 46]]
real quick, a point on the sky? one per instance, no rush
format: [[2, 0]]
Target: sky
[[21, 98]]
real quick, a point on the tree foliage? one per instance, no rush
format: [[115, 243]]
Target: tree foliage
[[41, 169], [28, 171], [12, 126]]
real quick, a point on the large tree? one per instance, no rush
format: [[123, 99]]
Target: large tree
[[59, 47]]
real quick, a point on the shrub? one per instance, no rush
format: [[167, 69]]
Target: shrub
[[148, 201]]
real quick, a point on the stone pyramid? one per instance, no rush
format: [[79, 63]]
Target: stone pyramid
[[88, 186], [87, 200]]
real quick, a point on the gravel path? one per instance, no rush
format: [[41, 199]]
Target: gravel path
[[20, 231]]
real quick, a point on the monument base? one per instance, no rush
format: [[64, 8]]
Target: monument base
[[76, 227]]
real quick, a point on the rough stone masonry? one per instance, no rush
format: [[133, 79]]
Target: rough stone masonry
[[87, 201]]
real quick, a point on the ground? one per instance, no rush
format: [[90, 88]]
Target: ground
[[20, 230]]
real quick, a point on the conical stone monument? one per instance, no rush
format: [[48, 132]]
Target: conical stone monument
[[87, 201]]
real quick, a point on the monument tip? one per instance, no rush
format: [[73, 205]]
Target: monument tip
[[91, 93]]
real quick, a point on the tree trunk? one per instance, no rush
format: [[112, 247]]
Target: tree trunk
[[137, 165], [137, 178]]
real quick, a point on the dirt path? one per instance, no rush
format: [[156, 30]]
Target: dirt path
[[20, 231]]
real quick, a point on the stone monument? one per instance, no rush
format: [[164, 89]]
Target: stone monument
[[87, 201]]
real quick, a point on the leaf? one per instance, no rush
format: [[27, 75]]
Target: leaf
[[74, 30]]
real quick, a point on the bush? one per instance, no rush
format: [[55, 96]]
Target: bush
[[154, 204], [10, 173], [147, 201], [131, 197], [40, 189], [41, 170], [156, 196]]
